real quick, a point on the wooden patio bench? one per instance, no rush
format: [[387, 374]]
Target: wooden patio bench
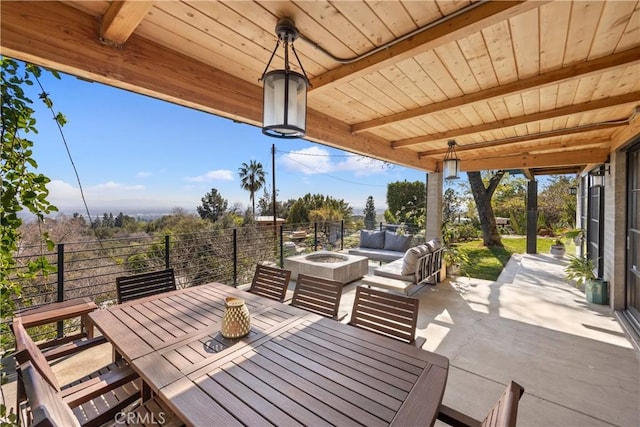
[[502, 414], [60, 311]]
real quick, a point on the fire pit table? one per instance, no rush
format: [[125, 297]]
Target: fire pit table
[[344, 268]]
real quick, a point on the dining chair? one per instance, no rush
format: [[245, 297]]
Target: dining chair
[[95, 398], [46, 407], [145, 284], [502, 414], [270, 282], [393, 315], [51, 313], [318, 295]]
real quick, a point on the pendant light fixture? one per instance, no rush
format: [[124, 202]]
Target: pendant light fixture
[[284, 111], [451, 162]]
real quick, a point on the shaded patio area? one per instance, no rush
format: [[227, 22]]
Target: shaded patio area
[[572, 357]]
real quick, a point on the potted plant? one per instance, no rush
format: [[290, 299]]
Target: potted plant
[[454, 258], [557, 249], [580, 270]]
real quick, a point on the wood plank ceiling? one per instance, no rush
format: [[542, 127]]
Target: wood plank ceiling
[[537, 85]]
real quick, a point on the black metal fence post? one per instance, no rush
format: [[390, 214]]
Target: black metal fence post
[[281, 246], [315, 236], [60, 296], [342, 235], [235, 257], [166, 251]]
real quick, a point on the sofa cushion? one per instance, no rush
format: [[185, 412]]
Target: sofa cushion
[[393, 270], [396, 242], [410, 258], [377, 254], [372, 239], [434, 244]]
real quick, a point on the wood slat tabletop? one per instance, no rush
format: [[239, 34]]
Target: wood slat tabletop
[[294, 367]]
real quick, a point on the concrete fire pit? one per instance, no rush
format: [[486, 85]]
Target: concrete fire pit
[[344, 268]]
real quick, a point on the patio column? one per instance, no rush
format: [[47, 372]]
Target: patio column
[[433, 227], [532, 217]]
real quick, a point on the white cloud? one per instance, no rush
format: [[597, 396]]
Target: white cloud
[[143, 174], [217, 175], [114, 186], [316, 160], [361, 166], [309, 161]]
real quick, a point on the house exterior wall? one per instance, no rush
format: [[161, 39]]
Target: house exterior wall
[[615, 247]]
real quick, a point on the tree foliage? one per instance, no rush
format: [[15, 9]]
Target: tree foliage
[[557, 204], [252, 179], [370, 214], [213, 206], [22, 187], [301, 209], [403, 199]]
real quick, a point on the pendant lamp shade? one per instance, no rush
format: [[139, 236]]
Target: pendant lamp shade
[[451, 163], [284, 109], [285, 104]]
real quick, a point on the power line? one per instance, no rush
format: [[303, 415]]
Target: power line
[[335, 177]]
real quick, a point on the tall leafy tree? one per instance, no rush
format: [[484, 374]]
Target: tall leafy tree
[[482, 195], [213, 206], [370, 214], [403, 198], [252, 179], [301, 208]]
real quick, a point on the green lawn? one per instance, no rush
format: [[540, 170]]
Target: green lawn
[[487, 263]]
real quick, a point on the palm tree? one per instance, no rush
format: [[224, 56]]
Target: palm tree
[[252, 179]]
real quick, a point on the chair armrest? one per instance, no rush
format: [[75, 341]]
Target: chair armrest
[[94, 387], [456, 418], [72, 347], [56, 311]]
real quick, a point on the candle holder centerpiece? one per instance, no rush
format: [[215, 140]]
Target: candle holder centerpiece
[[236, 320]]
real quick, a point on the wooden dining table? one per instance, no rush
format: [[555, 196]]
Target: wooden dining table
[[293, 368]]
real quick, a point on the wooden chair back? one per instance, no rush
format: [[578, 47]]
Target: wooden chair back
[[505, 411], [28, 351], [385, 313], [318, 295], [46, 406], [502, 414], [270, 282], [145, 284]]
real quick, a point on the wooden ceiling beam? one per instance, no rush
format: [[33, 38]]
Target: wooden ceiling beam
[[614, 101], [529, 161], [459, 26], [575, 71], [528, 174], [121, 20], [57, 36], [528, 138], [629, 134]]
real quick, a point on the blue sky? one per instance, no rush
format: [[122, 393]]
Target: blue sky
[[134, 153]]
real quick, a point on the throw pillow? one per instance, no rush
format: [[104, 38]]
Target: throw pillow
[[410, 258], [395, 242], [371, 239]]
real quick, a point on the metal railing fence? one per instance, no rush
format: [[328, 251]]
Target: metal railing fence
[[89, 268]]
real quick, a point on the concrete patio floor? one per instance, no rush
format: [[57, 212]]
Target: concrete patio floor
[[573, 358]]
